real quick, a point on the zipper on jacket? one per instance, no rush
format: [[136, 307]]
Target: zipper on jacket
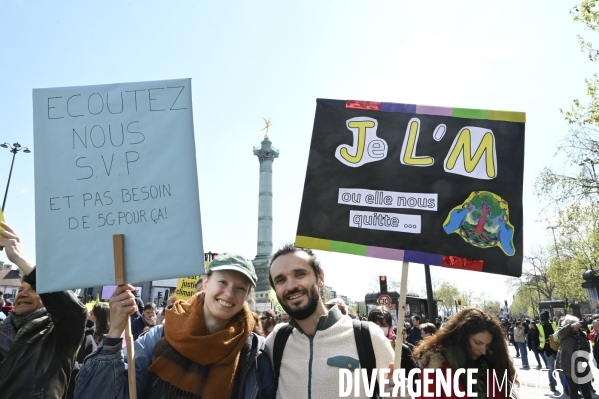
[[247, 371], [311, 338]]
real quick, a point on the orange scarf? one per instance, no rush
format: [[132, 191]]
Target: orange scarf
[[193, 361]]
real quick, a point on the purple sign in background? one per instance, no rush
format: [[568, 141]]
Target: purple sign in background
[[107, 291]]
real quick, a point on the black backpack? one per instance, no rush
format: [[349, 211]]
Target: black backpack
[[363, 345]]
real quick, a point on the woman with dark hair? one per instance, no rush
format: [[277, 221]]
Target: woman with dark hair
[[205, 349], [472, 339], [100, 315], [381, 316]]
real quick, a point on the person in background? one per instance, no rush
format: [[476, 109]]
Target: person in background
[[257, 326], [511, 338], [438, 322], [414, 333], [520, 340], [8, 307], [572, 339], [381, 316], [427, 329], [407, 361], [138, 301], [594, 338], [284, 318], [340, 304], [545, 330], [533, 343], [473, 339], [88, 346], [2, 303], [145, 321], [268, 320], [404, 337], [100, 315], [40, 338]]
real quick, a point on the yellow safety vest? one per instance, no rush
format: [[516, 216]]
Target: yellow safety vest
[[542, 334]]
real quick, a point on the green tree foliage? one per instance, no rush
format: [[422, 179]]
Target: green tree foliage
[[587, 14], [574, 192], [535, 284], [483, 301], [492, 307], [447, 294], [581, 147], [525, 302], [576, 249]]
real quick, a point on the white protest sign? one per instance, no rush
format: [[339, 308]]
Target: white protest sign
[[115, 159]]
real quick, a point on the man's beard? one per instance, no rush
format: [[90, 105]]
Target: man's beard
[[266, 325], [302, 313]]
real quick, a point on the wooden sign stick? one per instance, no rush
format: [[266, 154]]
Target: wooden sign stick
[[118, 244], [401, 314]]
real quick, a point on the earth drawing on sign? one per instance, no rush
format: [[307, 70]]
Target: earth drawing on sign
[[483, 221]]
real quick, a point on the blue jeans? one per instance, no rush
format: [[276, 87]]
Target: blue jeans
[[536, 352], [523, 353], [550, 362], [564, 380]]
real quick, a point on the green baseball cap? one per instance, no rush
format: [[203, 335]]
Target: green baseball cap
[[231, 261]]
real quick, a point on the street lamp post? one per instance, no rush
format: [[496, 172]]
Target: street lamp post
[[16, 147]]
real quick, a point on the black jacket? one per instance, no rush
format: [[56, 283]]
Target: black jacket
[[88, 345], [414, 335], [533, 339], [39, 364]]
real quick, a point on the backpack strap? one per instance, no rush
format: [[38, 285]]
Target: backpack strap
[[279, 346], [365, 349]]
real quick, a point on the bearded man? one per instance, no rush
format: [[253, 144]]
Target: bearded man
[[322, 340], [268, 320]]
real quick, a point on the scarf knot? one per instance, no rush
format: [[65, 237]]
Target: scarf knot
[[16, 326]]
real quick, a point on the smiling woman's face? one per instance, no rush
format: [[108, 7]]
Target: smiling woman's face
[[225, 293], [27, 300]]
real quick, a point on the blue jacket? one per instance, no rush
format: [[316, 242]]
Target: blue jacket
[[104, 375]]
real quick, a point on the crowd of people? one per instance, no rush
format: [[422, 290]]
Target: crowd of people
[[213, 346], [555, 345]]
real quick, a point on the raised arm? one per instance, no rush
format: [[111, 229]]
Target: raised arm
[[67, 313]]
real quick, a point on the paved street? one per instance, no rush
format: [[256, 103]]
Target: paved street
[[535, 383]]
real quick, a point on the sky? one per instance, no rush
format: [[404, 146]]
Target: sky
[[249, 60]]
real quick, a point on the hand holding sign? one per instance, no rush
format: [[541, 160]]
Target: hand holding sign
[[122, 306]]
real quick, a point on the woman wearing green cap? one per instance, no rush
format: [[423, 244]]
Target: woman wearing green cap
[[206, 348]]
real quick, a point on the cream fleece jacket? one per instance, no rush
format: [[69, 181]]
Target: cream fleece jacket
[[304, 371], [519, 335]]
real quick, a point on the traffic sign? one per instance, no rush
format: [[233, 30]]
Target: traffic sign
[[384, 300]]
